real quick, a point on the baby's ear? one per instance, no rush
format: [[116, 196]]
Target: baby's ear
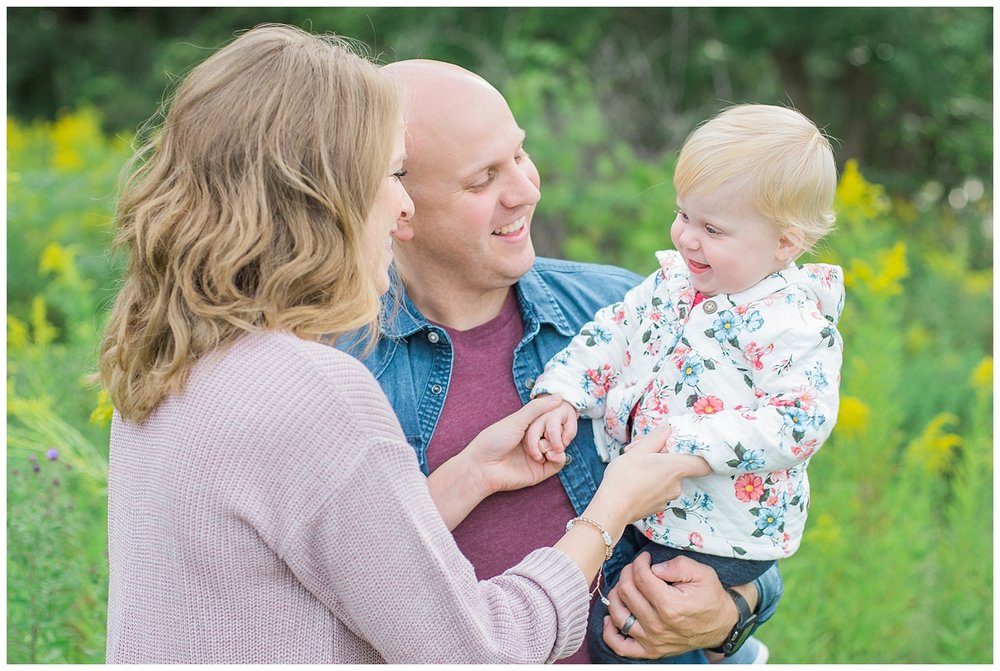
[[790, 245]]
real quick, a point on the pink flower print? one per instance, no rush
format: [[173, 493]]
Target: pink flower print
[[741, 309], [755, 354], [648, 533], [772, 498], [653, 347], [805, 450], [619, 315], [600, 380], [627, 361], [806, 396], [696, 541], [707, 405], [655, 316], [749, 487]]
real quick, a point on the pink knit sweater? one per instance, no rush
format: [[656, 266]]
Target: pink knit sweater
[[273, 512]]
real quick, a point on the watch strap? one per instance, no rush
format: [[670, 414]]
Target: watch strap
[[744, 621]]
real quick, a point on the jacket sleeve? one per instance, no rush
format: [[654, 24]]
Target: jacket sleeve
[[797, 393], [584, 371], [376, 553]]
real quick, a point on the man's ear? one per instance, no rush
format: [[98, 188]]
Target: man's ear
[[790, 245]]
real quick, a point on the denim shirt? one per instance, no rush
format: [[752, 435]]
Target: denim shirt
[[413, 358]]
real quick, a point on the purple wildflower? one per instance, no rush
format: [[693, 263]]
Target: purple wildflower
[[52, 454]]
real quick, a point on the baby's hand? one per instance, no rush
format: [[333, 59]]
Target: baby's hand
[[552, 432]]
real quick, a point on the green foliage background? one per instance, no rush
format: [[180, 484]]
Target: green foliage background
[[897, 561]]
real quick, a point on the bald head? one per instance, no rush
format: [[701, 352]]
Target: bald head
[[445, 104]]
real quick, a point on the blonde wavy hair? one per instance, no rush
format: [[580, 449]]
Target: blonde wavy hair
[[777, 154], [248, 209]]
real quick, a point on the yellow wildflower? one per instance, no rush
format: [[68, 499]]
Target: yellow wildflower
[[935, 448], [102, 413], [17, 333], [44, 331], [58, 259], [71, 135], [857, 197], [982, 374], [886, 282], [852, 419]]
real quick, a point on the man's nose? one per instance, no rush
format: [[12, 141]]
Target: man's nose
[[520, 190]]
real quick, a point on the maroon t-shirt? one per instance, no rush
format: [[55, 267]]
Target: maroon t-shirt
[[507, 526]]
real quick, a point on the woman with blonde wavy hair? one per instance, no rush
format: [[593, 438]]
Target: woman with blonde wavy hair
[[263, 504]]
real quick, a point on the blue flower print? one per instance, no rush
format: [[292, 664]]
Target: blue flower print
[[691, 370], [688, 446], [753, 321], [727, 326], [770, 520], [706, 502], [796, 418], [598, 335], [752, 460]]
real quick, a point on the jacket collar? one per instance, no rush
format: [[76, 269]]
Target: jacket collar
[[401, 318]]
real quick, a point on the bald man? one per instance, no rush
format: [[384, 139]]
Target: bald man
[[480, 317]]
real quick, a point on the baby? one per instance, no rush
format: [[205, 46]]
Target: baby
[[730, 351]]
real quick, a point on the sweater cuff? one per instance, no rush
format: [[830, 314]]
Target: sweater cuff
[[563, 581]]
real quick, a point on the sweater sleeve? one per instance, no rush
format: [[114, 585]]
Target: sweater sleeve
[[378, 555], [590, 365], [797, 391]]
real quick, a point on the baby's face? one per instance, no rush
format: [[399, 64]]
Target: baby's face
[[727, 245]]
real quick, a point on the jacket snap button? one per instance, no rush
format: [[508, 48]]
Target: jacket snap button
[[433, 337], [529, 383], [710, 307], [436, 389]]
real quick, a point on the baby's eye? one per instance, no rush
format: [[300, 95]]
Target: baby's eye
[[681, 214], [399, 174], [712, 230]]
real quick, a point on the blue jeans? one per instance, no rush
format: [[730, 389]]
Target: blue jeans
[[765, 576]]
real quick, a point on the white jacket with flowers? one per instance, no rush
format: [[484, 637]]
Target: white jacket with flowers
[[747, 381]]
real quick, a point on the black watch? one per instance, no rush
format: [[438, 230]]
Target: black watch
[[744, 626]]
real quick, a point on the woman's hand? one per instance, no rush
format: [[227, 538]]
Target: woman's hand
[[500, 454], [494, 461], [643, 480]]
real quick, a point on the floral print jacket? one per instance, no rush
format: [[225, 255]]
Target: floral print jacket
[[747, 381]]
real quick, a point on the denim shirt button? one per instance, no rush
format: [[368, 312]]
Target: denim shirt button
[[529, 383], [433, 337], [436, 389]]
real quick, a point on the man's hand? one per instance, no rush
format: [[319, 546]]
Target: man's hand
[[679, 605]]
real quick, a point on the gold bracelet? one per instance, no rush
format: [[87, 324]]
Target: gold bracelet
[[609, 545]]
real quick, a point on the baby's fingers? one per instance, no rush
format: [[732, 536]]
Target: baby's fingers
[[533, 442]]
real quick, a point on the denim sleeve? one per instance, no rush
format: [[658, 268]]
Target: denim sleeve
[[770, 587]]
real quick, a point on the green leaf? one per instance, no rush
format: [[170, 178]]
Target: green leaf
[[679, 512], [691, 400], [738, 550]]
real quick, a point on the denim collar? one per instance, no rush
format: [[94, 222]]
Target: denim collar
[[401, 318]]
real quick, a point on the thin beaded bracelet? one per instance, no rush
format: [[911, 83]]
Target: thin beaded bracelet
[[609, 547]]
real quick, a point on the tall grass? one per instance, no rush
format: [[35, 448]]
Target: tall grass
[[897, 561]]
